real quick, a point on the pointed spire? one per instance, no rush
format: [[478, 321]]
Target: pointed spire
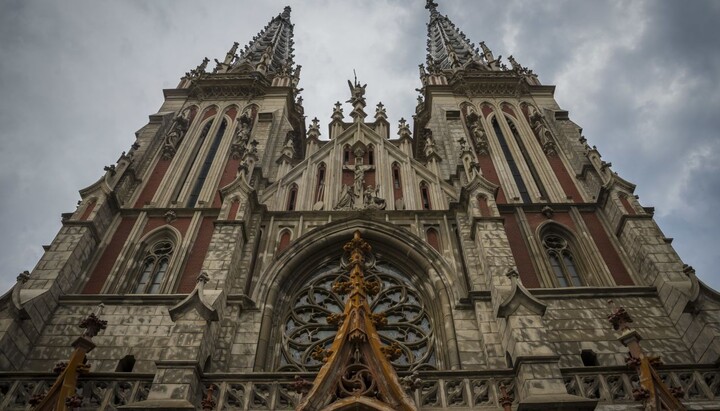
[[447, 47], [271, 51]]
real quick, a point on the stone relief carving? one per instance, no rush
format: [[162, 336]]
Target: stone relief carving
[[175, 135], [542, 133]]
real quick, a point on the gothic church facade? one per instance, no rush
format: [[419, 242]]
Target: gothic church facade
[[483, 257]]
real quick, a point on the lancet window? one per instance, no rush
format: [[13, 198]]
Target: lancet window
[[205, 168], [153, 268], [305, 328], [425, 196], [562, 261], [292, 197]]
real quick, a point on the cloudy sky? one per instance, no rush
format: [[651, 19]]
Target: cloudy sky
[[78, 78]]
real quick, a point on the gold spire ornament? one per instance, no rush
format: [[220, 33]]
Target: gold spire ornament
[[357, 373]]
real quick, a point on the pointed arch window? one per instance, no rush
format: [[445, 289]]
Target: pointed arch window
[[154, 266], [320, 186], [188, 166], [371, 155], [292, 197], [205, 168], [425, 196], [396, 182], [562, 261], [510, 160], [346, 155]]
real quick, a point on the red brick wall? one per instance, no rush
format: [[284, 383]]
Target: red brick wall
[[228, 176], [109, 255], [566, 182], [520, 252], [490, 174], [153, 183], [607, 250], [234, 206], [197, 256], [626, 204], [91, 206]]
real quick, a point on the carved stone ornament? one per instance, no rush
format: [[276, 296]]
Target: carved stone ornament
[[357, 373]]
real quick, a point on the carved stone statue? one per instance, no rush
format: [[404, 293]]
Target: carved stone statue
[[357, 93], [179, 127], [242, 133], [429, 145], [265, 61], [541, 132], [371, 199], [347, 199]]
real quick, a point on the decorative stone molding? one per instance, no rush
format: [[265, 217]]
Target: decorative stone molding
[[519, 297], [196, 301]]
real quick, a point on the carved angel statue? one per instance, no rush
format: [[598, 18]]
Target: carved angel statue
[[357, 92]]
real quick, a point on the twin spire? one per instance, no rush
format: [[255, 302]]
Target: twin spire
[[271, 51]]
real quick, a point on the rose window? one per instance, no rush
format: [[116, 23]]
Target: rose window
[[305, 325]]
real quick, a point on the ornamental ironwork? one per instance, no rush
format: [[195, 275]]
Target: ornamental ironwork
[[406, 326]]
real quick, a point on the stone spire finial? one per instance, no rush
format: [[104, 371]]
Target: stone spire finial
[[337, 114], [448, 47], [270, 51], [403, 129], [314, 129], [380, 112]]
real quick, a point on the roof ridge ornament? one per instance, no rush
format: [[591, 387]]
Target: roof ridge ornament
[[367, 378]]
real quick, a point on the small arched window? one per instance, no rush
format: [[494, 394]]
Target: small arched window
[[154, 267], [346, 155], [396, 182], [425, 196], [371, 155], [433, 238], [284, 240], [292, 197], [320, 186], [562, 261]]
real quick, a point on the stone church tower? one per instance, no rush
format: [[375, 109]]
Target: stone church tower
[[485, 257]]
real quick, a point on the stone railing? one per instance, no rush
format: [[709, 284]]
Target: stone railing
[[614, 385], [435, 390], [99, 391]]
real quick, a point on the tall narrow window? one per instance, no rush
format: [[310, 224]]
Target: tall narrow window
[[346, 155], [396, 182], [528, 160], [188, 166], [524, 195], [320, 186], [371, 156], [192, 199], [562, 261], [153, 268], [425, 196], [292, 197]]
